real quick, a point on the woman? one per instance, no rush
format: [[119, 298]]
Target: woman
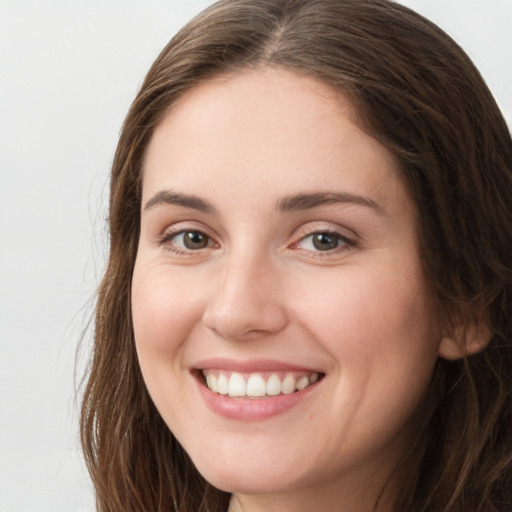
[[307, 301]]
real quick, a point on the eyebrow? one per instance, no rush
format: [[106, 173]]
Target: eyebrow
[[312, 200], [185, 200], [295, 202]]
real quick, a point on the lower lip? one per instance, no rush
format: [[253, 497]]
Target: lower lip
[[252, 409]]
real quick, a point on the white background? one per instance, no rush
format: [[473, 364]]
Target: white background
[[69, 70]]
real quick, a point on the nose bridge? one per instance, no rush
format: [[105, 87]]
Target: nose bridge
[[246, 300]]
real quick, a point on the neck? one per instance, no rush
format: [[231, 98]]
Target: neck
[[347, 496]]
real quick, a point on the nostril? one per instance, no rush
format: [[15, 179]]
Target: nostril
[[246, 322]]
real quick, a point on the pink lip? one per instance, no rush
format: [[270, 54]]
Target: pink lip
[[254, 365], [250, 410]]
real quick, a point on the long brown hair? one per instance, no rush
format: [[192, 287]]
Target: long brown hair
[[417, 93]]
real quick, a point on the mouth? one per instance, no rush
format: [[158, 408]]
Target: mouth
[[257, 385], [254, 390]]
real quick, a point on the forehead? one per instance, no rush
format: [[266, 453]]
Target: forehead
[[267, 131]]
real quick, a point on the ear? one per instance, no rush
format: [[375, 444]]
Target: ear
[[465, 340]]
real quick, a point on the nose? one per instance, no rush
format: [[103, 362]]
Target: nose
[[246, 301]]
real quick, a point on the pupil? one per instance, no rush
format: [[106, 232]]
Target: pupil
[[325, 242], [195, 240]]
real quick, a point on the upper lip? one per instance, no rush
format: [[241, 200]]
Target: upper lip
[[250, 366]]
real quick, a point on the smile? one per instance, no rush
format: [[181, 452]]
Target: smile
[[258, 385]]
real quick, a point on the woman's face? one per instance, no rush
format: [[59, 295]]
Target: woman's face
[[278, 259]]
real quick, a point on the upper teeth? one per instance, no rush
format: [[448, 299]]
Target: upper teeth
[[257, 384]]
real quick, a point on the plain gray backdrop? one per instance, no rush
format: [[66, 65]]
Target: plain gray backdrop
[[69, 70]]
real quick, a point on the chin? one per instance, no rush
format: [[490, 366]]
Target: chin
[[241, 478]]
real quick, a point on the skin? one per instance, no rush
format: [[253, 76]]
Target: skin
[[359, 313]]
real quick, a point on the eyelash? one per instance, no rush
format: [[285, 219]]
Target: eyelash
[[344, 243], [166, 240]]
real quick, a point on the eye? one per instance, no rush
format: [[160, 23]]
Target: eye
[[187, 241], [324, 241]]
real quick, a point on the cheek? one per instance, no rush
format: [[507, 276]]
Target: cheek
[[164, 311], [374, 323], [381, 335]]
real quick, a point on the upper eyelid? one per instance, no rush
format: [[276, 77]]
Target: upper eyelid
[[187, 225], [326, 232], [348, 243], [313, 227], [171, 234]]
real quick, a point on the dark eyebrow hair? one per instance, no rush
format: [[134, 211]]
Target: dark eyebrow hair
[[188, 201], [312, 200], [293, 202]]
